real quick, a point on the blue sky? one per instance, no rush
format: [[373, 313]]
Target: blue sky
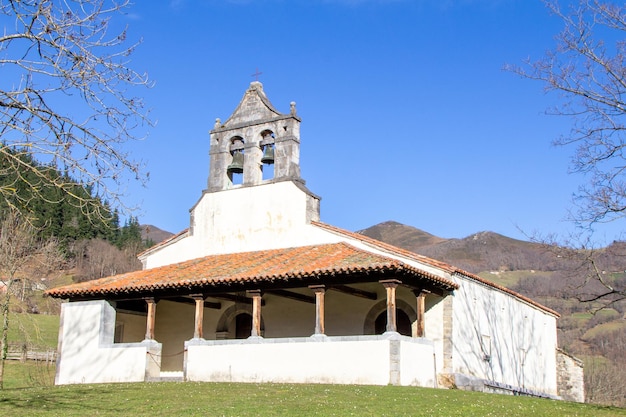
[[407, 114]]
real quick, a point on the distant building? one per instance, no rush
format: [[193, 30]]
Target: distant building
[[259, 290]]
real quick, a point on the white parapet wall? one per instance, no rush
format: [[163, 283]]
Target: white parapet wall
[[87, 353], [364, 360]]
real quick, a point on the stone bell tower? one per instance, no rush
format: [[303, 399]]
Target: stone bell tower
[[255, 137], [243, 208]]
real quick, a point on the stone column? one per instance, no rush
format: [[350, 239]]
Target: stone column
[[199, 319], [390, 286], [252, 163], [320, 291], [421, 308], [256, 312], [150, 319]]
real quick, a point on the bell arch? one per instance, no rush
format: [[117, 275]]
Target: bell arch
[[267, 159], [369, 325], [235, 169]]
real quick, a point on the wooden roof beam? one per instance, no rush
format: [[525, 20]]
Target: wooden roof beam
[[293, 295], [354, 291], [234, 298], [426, 289], [185, 300]]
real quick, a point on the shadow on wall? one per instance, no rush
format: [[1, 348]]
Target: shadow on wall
[[500, 339]]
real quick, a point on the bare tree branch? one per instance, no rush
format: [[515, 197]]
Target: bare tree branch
[[69, 99], [588, 68]]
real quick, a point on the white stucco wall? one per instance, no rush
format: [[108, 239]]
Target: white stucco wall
[[268, 216], [499, 338], [335, 360], [87, 352], [433, 327]]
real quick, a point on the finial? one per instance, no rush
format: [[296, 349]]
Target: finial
[[292, 107], [218, 123], [256, 75]]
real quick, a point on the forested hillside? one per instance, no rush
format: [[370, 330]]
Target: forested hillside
[[91, 239], [60, 215]]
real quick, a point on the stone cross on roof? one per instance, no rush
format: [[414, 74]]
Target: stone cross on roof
[[256, 75]]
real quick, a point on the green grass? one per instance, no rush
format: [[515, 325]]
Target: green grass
[[212, 399], [603, 329], [36, 330], [28, 374], [608, 312], [511, 278]]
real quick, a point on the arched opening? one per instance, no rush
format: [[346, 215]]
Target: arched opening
[[243, 326], [236, 322], [403, 323], [376, 319], [235, 168], [267, 160]]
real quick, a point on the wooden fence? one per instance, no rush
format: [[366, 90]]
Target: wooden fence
[[23, 353]]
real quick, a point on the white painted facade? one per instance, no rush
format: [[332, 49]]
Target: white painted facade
[[88, 355], [497, 337], [474, 336], [242, 219]]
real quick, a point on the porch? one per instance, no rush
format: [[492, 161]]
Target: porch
[[217, 319]]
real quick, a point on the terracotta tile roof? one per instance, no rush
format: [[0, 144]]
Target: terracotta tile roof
[[279, 267], [429, 261]]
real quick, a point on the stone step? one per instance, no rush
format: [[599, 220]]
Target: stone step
[[173, 376]]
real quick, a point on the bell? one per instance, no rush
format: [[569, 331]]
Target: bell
[[237, 165], [268, 155]]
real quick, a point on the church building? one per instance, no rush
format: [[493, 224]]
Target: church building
[[258, 289]]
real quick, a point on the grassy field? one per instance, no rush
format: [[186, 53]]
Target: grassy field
[[28, 374], [212, 399], [36, 330], [511, 278]]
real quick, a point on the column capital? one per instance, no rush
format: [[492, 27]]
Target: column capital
[[198, 296], [420, 292], [254, 293], [390, 283], [318, 288]]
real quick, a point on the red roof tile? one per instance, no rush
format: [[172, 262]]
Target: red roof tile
[[219, 271]]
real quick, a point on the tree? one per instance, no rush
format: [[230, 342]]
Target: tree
[[19, 249], [588, 69], [67, 100]]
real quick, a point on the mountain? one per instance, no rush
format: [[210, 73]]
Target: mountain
[[402, 236], [153, 233], [482, 251]]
